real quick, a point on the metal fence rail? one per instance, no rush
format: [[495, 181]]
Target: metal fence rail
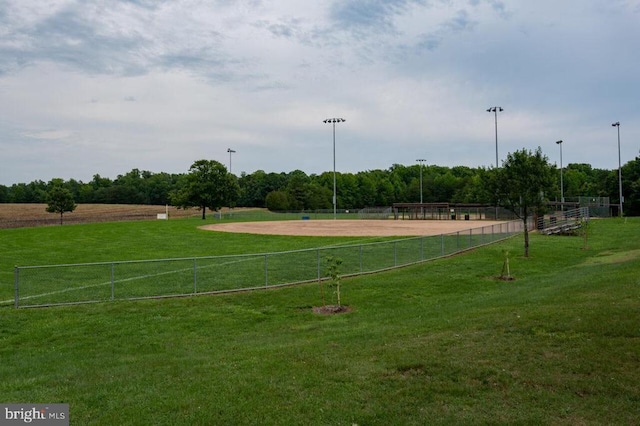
[[563, 221], [99, 282]]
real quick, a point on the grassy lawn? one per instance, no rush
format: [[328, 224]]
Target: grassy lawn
[[438, 343], [112, 260], [139, 240]]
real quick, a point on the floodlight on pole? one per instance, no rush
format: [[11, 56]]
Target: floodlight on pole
[[561, 183], [495, 110], [617, 124], [230, 151], [421, 161], [334, 121]]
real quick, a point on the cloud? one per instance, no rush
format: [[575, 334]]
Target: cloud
[[48, 134], [371, 15], [157, 84], [460, 22]]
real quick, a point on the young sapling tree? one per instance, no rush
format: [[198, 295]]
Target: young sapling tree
[[334, 273]]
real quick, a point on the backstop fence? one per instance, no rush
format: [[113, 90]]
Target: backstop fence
[[51, 285]]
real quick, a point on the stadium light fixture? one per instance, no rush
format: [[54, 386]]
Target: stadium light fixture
[[421, 161], [230, 151], [561, 183], [617, 124], [334, 121], [495, 110]]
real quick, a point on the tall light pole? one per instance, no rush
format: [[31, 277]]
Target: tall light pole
[[420, 161], [495, 110], [334, 121], [230, 151], [561, 183], [617, 124]]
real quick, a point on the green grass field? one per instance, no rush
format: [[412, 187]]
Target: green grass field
[[140, 240], [284, 264], [438, 343]]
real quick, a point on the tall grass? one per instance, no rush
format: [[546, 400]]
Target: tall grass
[[437, 343]]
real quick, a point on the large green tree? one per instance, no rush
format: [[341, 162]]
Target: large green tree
[[60, 200], [631, 187], [208, 185], [521, 185], [279, 201]]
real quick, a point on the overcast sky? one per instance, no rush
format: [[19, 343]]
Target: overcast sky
[[106, 86]]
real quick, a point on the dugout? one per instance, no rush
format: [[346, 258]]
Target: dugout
[[442, 211]]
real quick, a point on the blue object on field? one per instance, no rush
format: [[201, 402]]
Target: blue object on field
[[305, 217]]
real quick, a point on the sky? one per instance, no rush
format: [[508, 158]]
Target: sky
[[103, 87]]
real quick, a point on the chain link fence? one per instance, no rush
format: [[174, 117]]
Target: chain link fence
[[99, 282]]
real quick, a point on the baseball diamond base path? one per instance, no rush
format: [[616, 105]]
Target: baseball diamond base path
[[351, 228]]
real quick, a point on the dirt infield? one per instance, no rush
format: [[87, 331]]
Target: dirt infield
[[350, 228]]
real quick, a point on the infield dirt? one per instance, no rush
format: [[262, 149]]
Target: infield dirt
[[350, 228]]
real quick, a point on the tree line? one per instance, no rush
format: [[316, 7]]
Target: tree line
[[298, 190]]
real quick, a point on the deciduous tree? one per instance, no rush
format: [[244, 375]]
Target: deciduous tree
[[60, 200], [521, 185], [208, 185]]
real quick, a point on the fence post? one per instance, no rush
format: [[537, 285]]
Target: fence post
[[266, 270], [16, 292], [395, 253], [422, 249], [318, 262], [195, 276], [441, 244], [113, 281], [361, 266]]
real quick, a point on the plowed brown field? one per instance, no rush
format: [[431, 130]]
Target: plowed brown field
[[22, 215]]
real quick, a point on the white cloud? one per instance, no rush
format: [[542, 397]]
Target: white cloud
[[48, 134]]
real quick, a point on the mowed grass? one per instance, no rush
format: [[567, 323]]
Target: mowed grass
[[439, 343], [89, 246], [136, 240]]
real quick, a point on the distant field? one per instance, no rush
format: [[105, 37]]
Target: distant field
[[24, 215]]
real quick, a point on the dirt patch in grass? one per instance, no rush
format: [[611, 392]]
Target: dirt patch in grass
[[506, 278], [331, 310]]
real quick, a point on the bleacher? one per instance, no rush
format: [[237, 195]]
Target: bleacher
[[563, 222]]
